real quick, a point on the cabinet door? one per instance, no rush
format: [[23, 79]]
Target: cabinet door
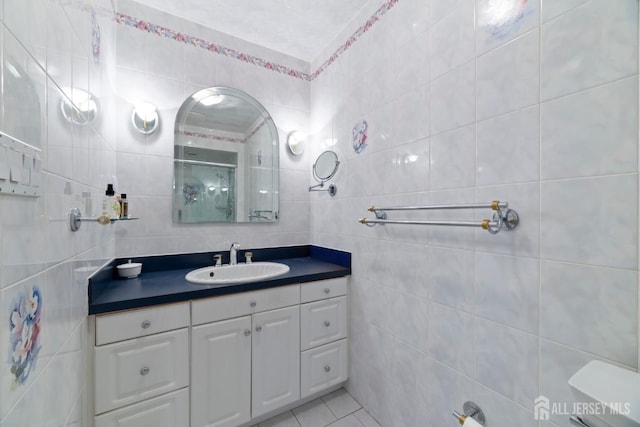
[[276, 359], [169, 410], [322, 322], [323, 367], [133, 370], [221, 373]]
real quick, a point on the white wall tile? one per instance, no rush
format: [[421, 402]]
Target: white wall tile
[[413, 166], [600, 124], [411, 112], [131, 48], [450, 276], [511, 371], [410, 319], [503, 411], [592, 44], [452, 99], [591, 220], [408, 409], [507, 290], [604, 328], [453, 159], [453, 38], [442, 389], [508, 77], [451, 335], [509, 148], [554, 8]]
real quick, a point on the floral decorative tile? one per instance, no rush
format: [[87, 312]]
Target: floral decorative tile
[[24, 337], [359, 136]]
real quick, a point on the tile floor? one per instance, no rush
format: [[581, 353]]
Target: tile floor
[[337, 409]]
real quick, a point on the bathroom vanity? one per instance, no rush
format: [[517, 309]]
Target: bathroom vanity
[[217, 356]]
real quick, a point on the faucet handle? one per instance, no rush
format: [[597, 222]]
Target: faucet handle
[[235, 245], [218, 259]]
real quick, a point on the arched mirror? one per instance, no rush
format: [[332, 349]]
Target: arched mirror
[[225, 159], [325, 168]]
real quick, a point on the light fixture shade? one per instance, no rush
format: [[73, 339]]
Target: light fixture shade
[[296, 142], [78, 106], [145, 118]]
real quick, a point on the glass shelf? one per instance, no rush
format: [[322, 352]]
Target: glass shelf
[[75, 219]]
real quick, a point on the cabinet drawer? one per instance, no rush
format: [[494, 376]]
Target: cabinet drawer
[[169, 410], [323, 367], [130, 371], [141, 322], [228, 306], [322, 289], [322, 322]]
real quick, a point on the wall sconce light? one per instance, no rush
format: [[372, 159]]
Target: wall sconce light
[[295, 142], [79, 106], [145, 118]]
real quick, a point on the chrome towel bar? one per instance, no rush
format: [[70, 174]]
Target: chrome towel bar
[[495, 205], [503, 217]]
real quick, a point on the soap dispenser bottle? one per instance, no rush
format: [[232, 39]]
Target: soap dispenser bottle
[[110, 204]]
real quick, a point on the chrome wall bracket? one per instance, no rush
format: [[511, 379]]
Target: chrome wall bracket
[[332, 189], [75, 219], [470, 410]]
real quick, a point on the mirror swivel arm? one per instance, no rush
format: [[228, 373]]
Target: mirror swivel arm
[[332, 188]]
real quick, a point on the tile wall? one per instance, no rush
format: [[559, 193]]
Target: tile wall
[[165, 72], [44, 266], [535, 104]]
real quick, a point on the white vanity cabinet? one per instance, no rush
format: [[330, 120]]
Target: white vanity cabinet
[[141, 367], [248, 365], [222, 361], [221, 373], [323, 334]]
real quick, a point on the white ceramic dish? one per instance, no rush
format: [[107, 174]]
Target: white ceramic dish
[[129, 270]]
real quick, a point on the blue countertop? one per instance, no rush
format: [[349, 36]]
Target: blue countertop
[[162, 280]]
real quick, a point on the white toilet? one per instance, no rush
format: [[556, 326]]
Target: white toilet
[[609, 396]]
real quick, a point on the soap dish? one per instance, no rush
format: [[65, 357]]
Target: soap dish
[[129, 270]]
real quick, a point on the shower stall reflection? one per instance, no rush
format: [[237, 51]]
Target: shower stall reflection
[[207, 189]]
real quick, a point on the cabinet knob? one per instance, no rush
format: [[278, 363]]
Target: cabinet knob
[[146, 324], [327, 368], [258, 328], [144, 371], [327, 290], [327, 323], [253, 303], [247, 332]]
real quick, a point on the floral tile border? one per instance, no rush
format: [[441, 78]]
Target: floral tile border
[[159, 30], [198, 134], [382, 10]]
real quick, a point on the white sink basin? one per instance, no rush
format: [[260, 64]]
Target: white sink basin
[[234, 274]]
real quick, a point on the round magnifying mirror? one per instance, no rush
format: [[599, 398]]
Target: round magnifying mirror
[[326, 166]]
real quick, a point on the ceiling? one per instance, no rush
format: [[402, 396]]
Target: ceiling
[[300, 28]]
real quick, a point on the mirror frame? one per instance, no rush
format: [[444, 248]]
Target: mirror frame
[[333, 172], [191, 101], [332, 189]]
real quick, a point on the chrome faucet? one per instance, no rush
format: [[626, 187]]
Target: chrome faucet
[[233, 253]]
